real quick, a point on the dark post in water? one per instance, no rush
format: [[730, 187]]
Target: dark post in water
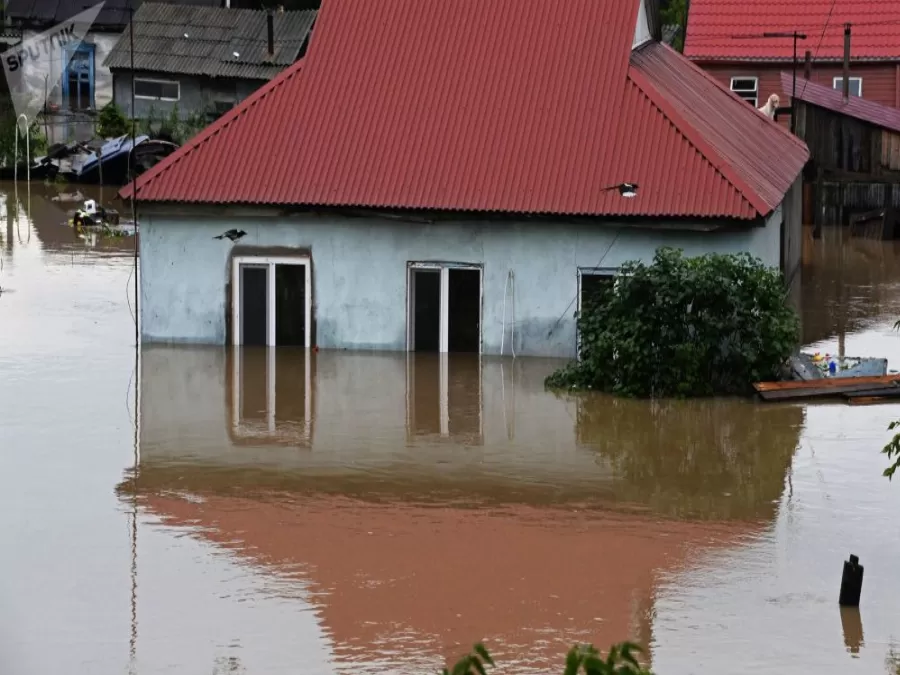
[[851, 582]]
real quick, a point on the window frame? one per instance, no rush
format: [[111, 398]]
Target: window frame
[[740, 92], [840, 79], [609, 272], [444, 328], [240, 261], [154, 80]]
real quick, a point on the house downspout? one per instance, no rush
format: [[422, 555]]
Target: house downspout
[[270, 25]]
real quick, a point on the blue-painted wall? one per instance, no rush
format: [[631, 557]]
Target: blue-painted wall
[[360, 272]]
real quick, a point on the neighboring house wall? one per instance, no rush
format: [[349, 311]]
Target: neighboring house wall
[[359, 272], [102, 87], [880, 82], [196, 94]]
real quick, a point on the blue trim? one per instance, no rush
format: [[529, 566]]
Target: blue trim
[[87, 50]]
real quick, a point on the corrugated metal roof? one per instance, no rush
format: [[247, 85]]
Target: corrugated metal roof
[[880, 115], [713, 24], [204, 40], [487, 106], [114, 15]]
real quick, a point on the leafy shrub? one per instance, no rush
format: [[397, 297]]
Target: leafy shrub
[[175, 127], [111, 122], [581, 659], [683, 326]]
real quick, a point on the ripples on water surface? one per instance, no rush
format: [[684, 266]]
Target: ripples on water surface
[[314, 513]]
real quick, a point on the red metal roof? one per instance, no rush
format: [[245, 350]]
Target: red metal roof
[[713, 25], [830, 98], [518, 106]]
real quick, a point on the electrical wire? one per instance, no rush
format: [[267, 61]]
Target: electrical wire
[[599, 263], [821, 38]]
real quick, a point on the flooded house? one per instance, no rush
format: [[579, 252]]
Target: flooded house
[[746, 45], [854, 169], [75, 94], [202, 59], [457, 187]]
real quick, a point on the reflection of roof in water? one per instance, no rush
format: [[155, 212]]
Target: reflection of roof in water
[[396, 582]]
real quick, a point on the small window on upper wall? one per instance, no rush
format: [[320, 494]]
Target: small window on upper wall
[[747, 88], [158, 90], [855, 85]]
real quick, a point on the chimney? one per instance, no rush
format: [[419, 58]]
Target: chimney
[[270, 24], [846, 79], [807, 65]]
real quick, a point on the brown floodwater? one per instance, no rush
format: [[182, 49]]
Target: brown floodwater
[[279, 511]]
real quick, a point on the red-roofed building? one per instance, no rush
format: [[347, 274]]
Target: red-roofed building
[[726, 37], [454, 187]]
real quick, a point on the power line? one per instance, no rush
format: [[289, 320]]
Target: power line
[[821, 37]]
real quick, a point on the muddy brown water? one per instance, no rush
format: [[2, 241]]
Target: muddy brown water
[[285, 512]]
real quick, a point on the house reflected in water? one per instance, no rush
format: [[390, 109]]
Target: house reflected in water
[[357, 475]]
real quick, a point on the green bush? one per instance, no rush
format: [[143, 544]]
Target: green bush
[[581, 659], [111, 122], [683, 326]]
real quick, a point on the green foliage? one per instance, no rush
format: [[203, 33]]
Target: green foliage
[[175, 126], [472, 663], [892, 449], [702, 326], [621, 660], [111, 122], [674, 13], [8, 130]]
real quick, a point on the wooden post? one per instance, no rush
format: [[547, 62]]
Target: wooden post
[[817, 201], [846, 82]]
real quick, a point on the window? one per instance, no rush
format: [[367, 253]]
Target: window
[[747, 88], [78, 79], [855, 85], [591, 280], [271, 301], [443, 307], [158, 90]]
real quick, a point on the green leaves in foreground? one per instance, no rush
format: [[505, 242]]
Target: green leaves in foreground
[[892, 449], [621, 660], [472, 663]]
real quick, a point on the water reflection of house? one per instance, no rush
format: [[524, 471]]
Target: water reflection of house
[[349, 510], [405, 222], [384, 426]]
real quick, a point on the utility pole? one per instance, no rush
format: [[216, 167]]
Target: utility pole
[[795, 36], [846, 78]]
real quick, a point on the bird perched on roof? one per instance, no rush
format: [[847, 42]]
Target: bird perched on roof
[[771, 106], [233, 235]]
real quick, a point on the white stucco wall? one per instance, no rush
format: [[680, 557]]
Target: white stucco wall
[[103, 86], [360, 272]]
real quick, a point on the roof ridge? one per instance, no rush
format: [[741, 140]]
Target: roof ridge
[[706, 149], [709, 78], [206, 134]]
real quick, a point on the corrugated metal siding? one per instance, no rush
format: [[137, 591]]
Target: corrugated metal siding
[[832, 99], [203, 41], [713, 25], [482, 107]]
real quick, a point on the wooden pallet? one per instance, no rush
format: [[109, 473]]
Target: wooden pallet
[[829, 387]]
